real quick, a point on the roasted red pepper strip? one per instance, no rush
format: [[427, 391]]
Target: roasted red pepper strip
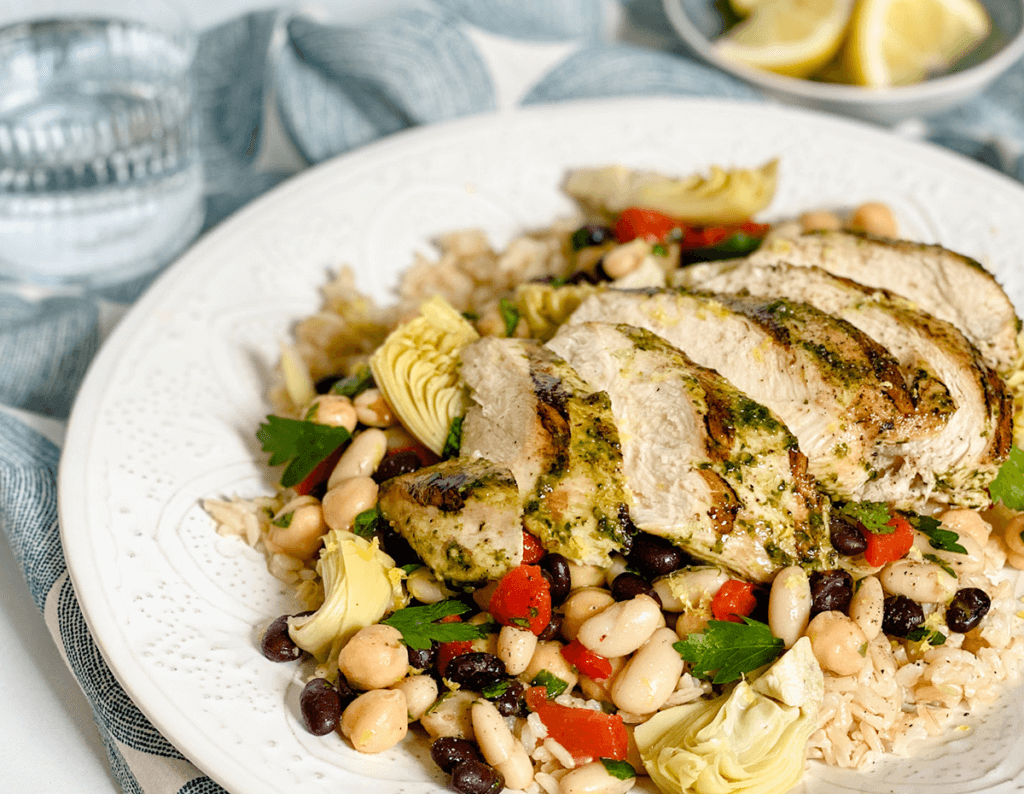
[[734, 600], [584, 733], [650, 225], [522, 599], [884, 549], [532, 550], [591, 664], [320, 473], [447, 651]]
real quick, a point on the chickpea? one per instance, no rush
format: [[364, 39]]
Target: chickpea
[[374, 658], [820, 220], [624, 259], [420, 693], [343, 503], [298, 531], [621, 628], [376, 720], [838, 643], [361, 458], [874, 217], [1013, 536], [333, 410], [373, 410], [582, 605], [548, 656], [450, 716]]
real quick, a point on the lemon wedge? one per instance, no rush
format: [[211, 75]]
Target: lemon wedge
[[791, 37], [896, 42]]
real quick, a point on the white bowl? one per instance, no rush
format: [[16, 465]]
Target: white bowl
[[699, 23]]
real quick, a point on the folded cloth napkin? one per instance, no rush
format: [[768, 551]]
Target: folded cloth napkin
[[333, 88]]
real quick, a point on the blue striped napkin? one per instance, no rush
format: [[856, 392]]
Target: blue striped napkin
[[336, 88]]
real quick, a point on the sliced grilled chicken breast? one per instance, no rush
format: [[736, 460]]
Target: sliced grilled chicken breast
[[839, 392], [534, 415], [708, 468], [462, 517], [950, 286], [963, 403]]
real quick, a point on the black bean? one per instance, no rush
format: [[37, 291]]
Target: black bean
[[397, 547], [402, 462], [324, 384], [422, 658], [557, 569], [847, 537], [582, 277], [901, 616], [320, 706], [592, 234], [448, 752], [968, 607], [553, 629], [277, 645], [511, 702], [475, 670], [476, 777], [653, 556], [627, 586], [831, 590], [345, 691]]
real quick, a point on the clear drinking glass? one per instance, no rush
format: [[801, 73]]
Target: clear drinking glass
[[100, 178]]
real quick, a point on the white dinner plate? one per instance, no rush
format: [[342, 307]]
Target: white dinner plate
[[168, 412]]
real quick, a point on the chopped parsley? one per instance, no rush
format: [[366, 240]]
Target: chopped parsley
[[941, 563], [1008, 486], [471, 315], [284, 521], [729, 650], [366, 522], [659, 250], [496, 690], [618, 769], [453, 443], [927, 635], [302, 445], [419, 625], [873, 516], [551, 682], [509, 315], [940, 539], [354, 385]]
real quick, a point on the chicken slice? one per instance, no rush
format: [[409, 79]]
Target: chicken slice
[[709, 469], [948, 285], [462, 517], [534, 415], [969, 405], [839, 392]]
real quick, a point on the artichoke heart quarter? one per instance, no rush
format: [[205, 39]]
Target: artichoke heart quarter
[[417, 369]]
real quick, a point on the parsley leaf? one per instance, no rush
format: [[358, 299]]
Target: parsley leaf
[[659, 250], [929, 636], [471, 315], [618, 769], [940, 562], [551, 682], [354, 385], [729, 649], [496, 690], [453, 442], [366, 522], [941, 539], [873, 516], [1008, 486], [509, 315], [301, 444], [419, 628]]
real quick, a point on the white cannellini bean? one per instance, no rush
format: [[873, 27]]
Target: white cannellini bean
[[618, 565], [623, 627], [515, 648], [343, 503], [517, 769], [548, 656], [838, 643], [581, 606], [921, 581], [601, 690], [585, 575], [867, 607], [972, 561], [361, 458], [420, 693], [376, 720], [334, 410], [593, 778], [1013, 538], [374, 658], [876, 218], [302, 537], [683, 590], [624, 259], [820, 219], [965, 521], [425, 587], [373, 410], [789, 604], [650, 676], [492, 734], [451, 716], [489, 642]]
